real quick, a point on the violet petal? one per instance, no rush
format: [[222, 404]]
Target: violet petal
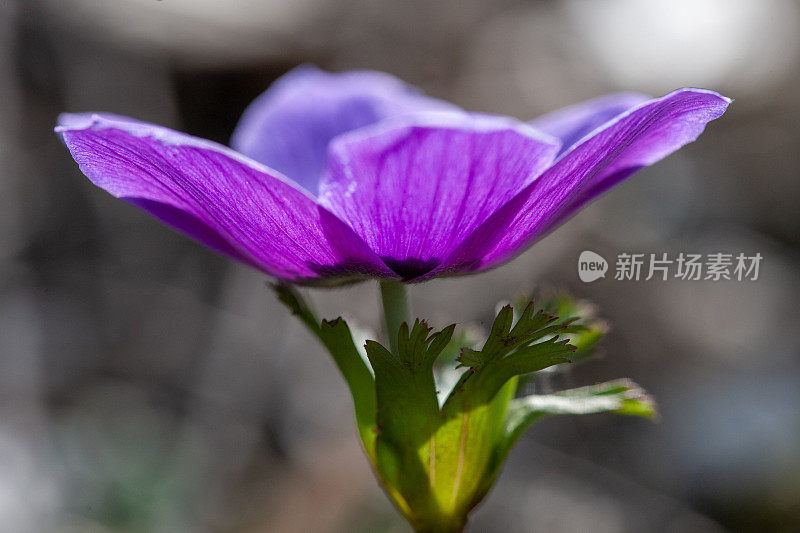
[[289, 126], [414, 188], [218, 197], [573, 123], [633, 140]]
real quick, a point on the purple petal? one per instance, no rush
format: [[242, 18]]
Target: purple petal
[[573, 123], [414, 188], [633, 140], [218, 197], [289, 127]]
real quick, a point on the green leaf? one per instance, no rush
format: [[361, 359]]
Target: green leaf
[[503, 339], [335, 335], [469, 358], [474, 413], [511, 350], [465, 337], [588, 329], [621, 396], [437, 463], [408, 417]]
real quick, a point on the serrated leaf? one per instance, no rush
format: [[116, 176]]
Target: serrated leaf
[[511, 349], [437, 463], [439, 341], [466, 336], [469, 358], [588, 329], [408, 415], [529, 327], [474, 412]]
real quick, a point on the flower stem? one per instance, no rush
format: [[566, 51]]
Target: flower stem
[[395, 310]]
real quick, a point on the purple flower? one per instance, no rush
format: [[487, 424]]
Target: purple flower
[[383, 181]]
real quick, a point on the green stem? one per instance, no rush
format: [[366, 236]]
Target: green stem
[[395, 310]]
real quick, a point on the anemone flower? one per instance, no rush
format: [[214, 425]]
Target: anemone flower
[[341, 177]]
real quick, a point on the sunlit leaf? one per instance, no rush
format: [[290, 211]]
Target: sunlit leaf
[[620, 396]]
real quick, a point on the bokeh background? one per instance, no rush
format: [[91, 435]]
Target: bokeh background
[[148, 385]]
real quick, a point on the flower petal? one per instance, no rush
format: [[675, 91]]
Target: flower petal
[[289, 126], [414, 188], [633, 140], [218, 197], [573, 123]]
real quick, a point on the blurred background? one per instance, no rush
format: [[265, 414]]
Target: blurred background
[[148, 385]]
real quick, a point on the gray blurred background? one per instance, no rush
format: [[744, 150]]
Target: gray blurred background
[[148, 385]]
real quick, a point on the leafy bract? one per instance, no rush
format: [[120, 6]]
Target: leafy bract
[[437, 460]]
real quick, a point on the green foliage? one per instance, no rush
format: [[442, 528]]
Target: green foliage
[[621, 396], [408, 419], [512, 349], [436, 463], [587, 331], [463, 337]]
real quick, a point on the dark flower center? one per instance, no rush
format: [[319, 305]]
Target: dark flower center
[[411, 268]]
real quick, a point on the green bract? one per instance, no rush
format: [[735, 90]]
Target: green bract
[[437, 461]]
